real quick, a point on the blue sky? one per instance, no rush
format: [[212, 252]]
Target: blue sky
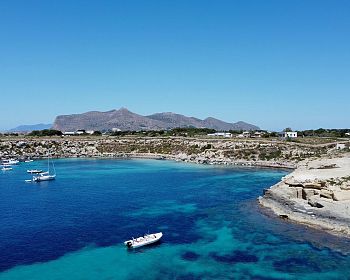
[[272, 63]]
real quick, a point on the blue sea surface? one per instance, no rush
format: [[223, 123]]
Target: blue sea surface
[[74, 227]]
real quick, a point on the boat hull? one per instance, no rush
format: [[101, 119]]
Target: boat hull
[[143, 241], [44, 178], [34, 171], [6, 168]]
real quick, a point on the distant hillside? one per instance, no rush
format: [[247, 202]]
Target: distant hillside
[[123, 119], [30, 127]]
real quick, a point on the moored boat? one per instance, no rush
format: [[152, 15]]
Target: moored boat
[[44, 176], [147, 239], [9, 162], [34, 171], [6, 168]]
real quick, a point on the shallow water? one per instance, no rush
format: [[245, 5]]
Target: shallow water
[[73, 228]]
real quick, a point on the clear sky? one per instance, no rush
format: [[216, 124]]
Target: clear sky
[[273, 63]]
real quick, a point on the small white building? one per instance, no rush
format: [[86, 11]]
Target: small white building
[[290, 134], [80, 132], [221, 134], [245, 134], [90, 132], [69, 133], [347, 134], [340, 146], [257, 134]]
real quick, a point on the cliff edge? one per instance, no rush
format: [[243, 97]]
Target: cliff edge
[[317, 194]]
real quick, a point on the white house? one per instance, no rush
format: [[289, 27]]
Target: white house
[[257, 134], [80, 132], [221, 134], [69, 133], [290, 134], [347, 134]]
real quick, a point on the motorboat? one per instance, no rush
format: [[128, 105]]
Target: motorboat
[[6, 168], [13, 161], [147, 239], [9, 162], [29, 160], [34, 171]]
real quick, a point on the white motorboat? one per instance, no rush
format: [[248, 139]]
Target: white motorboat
[[34, 171], [147, 239], [13, 161], [6, 168], [29, 160], [9, 162]]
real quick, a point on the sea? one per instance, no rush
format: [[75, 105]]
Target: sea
[[213, 228]]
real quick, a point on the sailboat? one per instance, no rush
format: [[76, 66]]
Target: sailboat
[[46, 176]]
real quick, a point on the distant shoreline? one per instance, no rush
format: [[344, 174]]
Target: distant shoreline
[[276, 165]]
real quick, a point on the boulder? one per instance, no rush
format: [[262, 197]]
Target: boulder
[[313, 185], [315, 202], [341, 195], [292, 183], [306, 193], [345, 187], [326, 194]]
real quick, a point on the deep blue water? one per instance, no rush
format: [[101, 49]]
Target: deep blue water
[[73, 227]]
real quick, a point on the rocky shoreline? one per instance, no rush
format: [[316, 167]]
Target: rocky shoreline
[[260, 153], [202, 151], [316, 194]]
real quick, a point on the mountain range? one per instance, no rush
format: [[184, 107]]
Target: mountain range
[[30, 127], [124, 120]]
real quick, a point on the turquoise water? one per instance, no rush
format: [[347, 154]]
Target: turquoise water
[[73, 228]]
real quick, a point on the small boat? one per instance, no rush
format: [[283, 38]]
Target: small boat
[[147, 239], [9, 162], [13, 161], [6, 168], [34, 171], [44, 176], [29, 160]]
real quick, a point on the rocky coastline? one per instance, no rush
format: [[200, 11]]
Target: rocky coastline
[[242, 152], [316, 193]]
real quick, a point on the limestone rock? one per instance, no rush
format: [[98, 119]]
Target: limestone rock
[[326, 194], [341, 195], [314, 202], [306, 193], [313, 185]]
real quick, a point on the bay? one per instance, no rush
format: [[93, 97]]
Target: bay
[[74, 227]]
